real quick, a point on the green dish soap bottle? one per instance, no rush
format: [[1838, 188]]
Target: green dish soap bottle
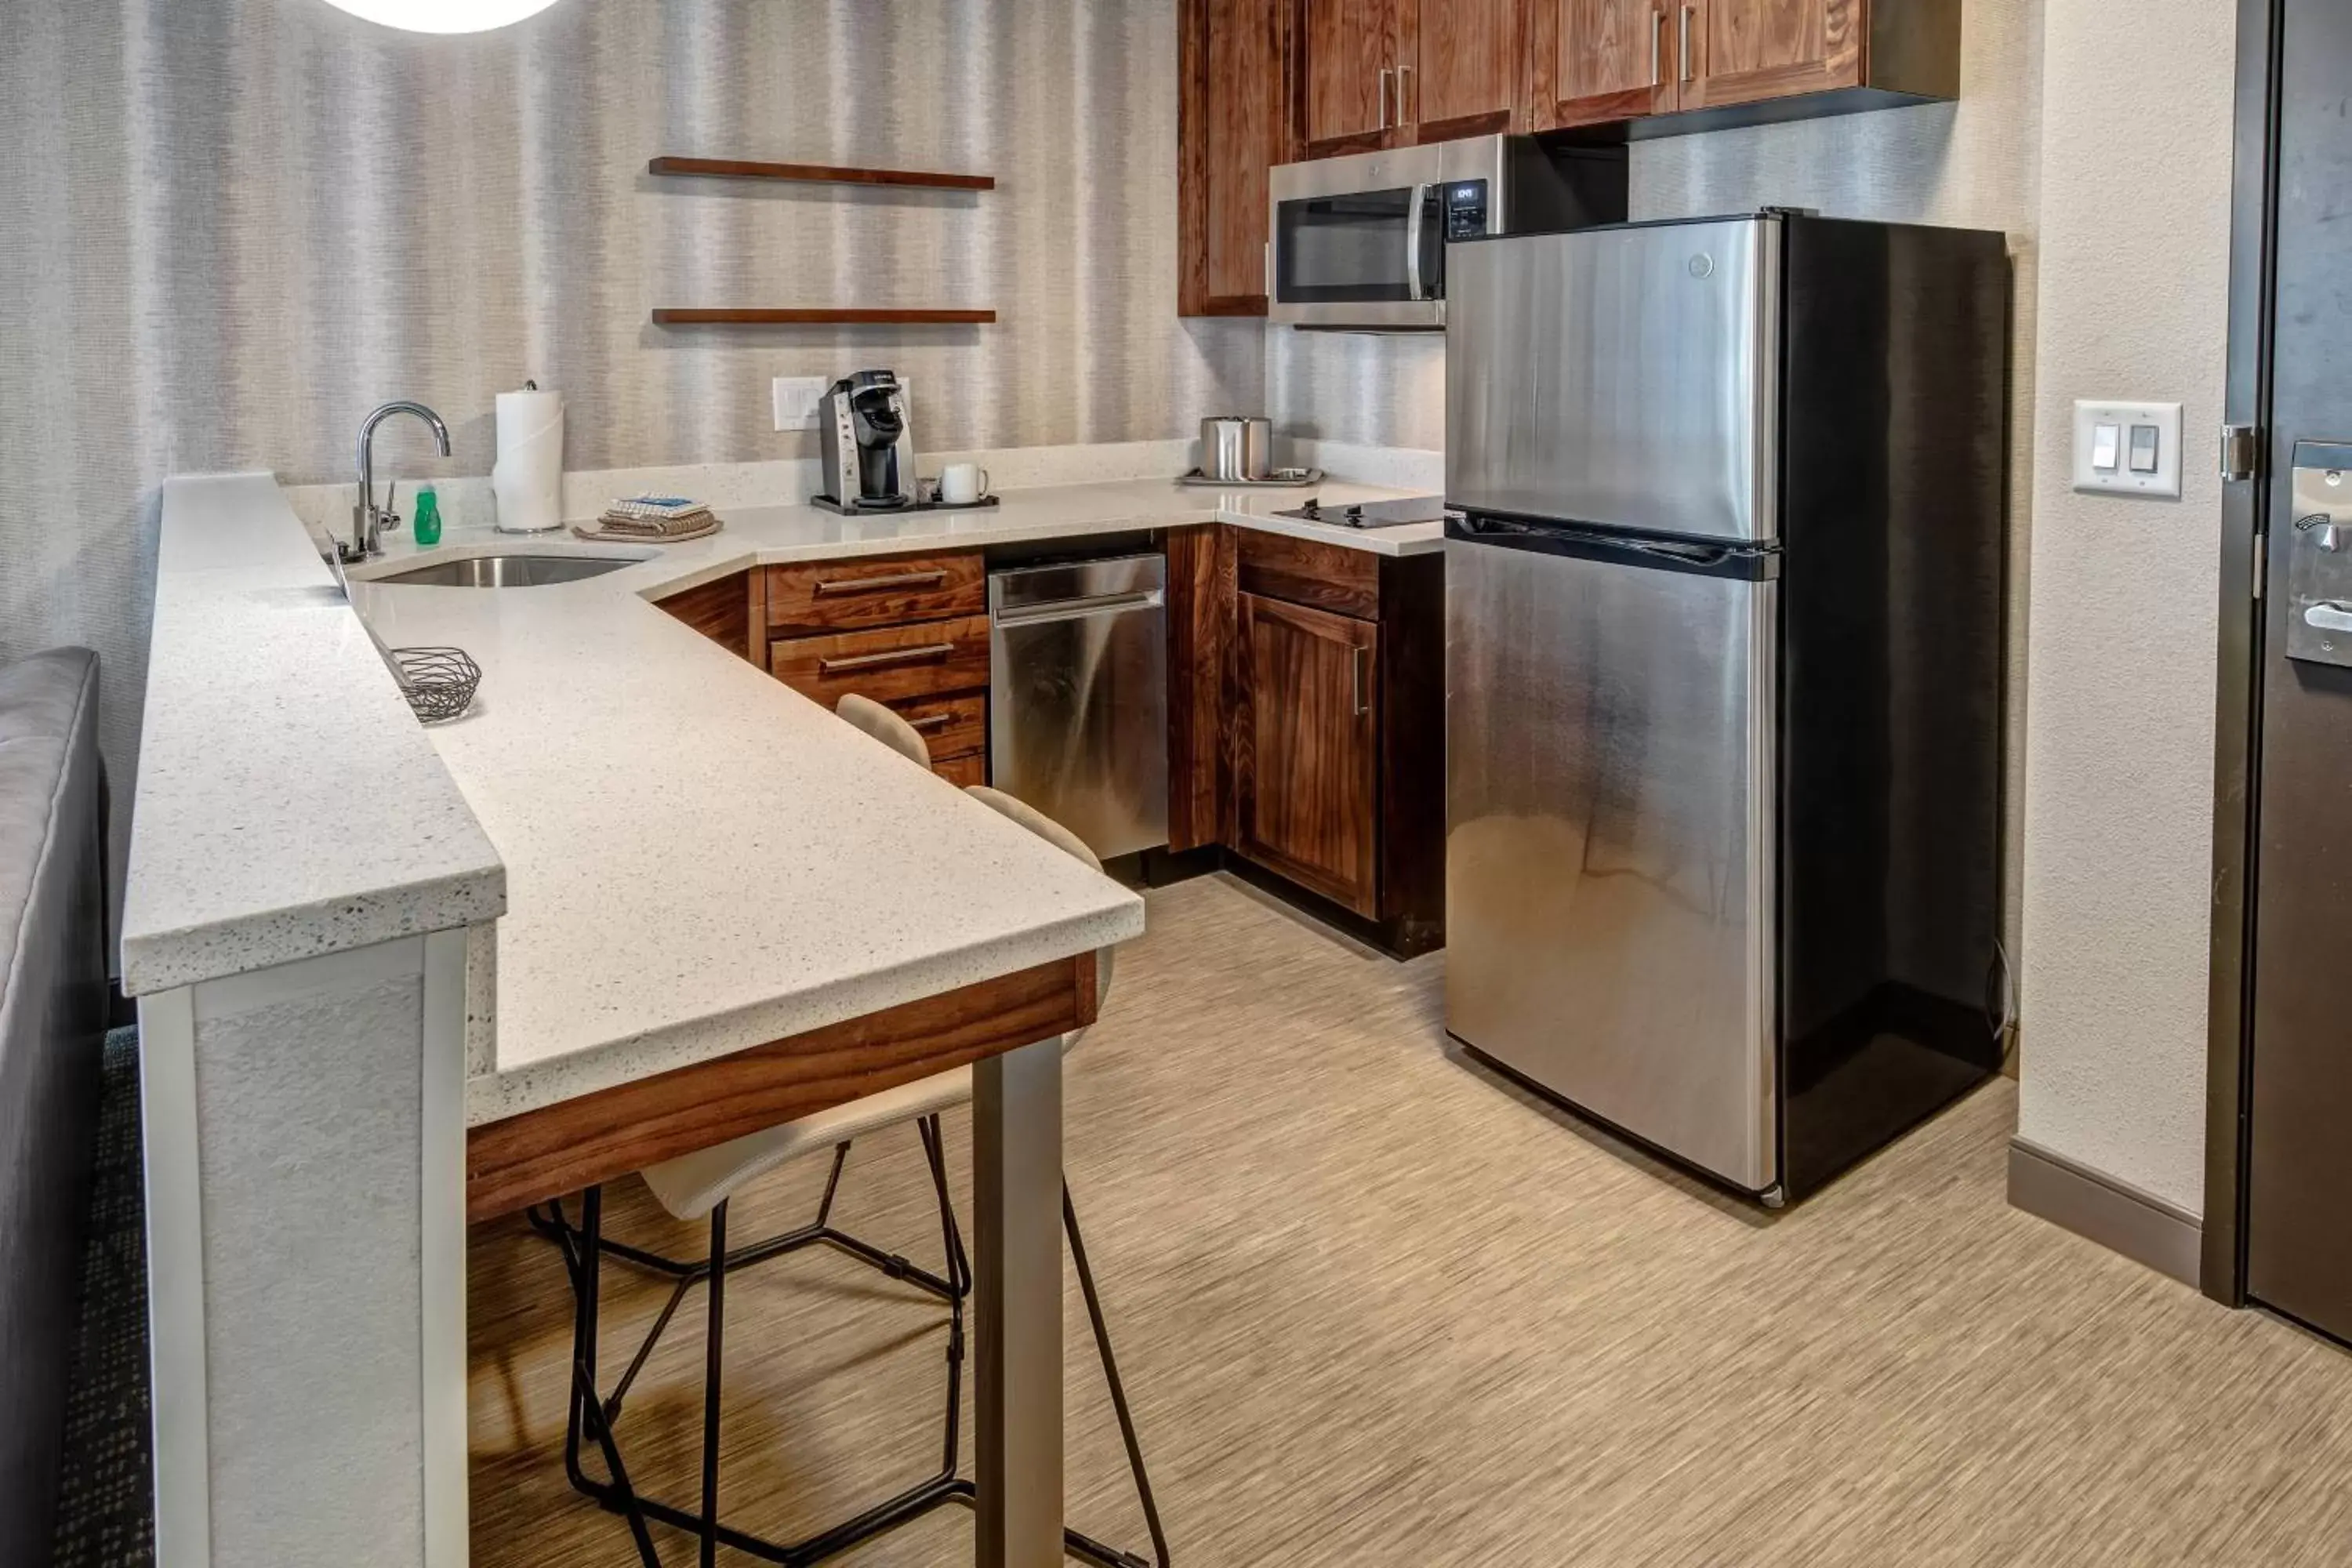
[[428, 518]]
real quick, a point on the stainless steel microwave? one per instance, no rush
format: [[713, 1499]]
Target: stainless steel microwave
[[1358, 242]]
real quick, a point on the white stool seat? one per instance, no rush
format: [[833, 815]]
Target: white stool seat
[[691, 1186]]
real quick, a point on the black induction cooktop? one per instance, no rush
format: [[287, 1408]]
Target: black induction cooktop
[[1371, 513]]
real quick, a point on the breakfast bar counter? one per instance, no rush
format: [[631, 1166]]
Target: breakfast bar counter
[[640, 893]]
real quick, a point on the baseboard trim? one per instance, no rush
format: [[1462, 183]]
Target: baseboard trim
[[2117, 1216]]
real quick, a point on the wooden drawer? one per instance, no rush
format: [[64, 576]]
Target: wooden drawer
[[889, 665], [842, 595], [963, 772], [1308, 571], [950, 726]]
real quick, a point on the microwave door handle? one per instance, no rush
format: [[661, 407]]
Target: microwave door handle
[[1413, 284]]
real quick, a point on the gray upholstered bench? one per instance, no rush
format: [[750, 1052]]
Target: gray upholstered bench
[[53, 1007]]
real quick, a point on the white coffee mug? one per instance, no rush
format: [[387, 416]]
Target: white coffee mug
[[961, 484]]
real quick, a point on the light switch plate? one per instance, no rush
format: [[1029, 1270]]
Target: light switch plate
[[796, 398], [2121, 479]]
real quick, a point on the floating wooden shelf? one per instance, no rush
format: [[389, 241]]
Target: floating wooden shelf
[[822, 317], [820, 173]]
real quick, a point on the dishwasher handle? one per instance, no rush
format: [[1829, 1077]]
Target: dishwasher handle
[[1077, 609]]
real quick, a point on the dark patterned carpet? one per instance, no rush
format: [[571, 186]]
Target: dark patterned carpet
[[105, 1497]]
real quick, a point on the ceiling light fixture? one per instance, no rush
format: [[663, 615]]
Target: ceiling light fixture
[[443, 16]]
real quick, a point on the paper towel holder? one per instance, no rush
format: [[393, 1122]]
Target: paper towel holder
[[512, 494]]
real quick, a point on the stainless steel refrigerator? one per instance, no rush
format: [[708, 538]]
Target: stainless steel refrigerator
[[1724, 665]]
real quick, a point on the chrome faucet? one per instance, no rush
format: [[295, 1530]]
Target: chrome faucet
[[368, 522]]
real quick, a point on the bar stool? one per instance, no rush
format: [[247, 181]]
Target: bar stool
[[701, 1185]]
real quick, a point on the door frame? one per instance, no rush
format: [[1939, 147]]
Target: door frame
[[2239, 652]]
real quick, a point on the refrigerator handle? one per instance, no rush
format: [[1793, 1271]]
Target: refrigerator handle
[[1418, 202]]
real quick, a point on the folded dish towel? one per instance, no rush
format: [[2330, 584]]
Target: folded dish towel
[[662, 519]]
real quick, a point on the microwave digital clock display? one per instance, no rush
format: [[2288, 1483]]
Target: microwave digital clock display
[[1465, 209]]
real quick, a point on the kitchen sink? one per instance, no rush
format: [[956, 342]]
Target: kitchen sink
[[517, 570]]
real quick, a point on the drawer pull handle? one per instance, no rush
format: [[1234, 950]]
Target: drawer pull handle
[[878, 585], [887, 657], [932, 722]]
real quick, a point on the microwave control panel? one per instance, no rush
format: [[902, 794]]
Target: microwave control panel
[[1465, 209]]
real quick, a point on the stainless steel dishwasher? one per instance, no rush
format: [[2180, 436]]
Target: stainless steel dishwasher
[[1077, 709]]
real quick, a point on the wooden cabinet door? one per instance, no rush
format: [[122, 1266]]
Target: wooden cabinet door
[[1459, 67], [1307, 744], [1233, 123], [1602, 59], [1348, 82], [1743, 51]]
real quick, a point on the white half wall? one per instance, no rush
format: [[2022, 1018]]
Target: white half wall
[[2135, 147]]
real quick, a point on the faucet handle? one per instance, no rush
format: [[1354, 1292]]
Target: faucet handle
[[388, 521]]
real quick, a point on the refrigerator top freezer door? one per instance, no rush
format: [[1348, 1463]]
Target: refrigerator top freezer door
[[1626, 377]]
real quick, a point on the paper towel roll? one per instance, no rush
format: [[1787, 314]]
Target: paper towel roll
[[528, 478]]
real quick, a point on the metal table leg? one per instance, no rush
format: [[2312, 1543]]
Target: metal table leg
[[1016, 1155]]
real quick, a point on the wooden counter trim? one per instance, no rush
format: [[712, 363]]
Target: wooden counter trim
[[560, 1149]]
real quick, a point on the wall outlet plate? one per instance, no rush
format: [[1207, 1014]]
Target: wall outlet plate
[[796, 398], [2105, 463]]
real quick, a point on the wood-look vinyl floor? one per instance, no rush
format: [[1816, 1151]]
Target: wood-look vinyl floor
[[1375, 1308]]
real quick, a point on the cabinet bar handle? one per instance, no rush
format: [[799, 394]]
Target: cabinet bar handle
[[887, 657], [877, 585], [1404, 80], [1356, 675], [1683, 49], [1385, 75], [1658, 47], [932, 722]]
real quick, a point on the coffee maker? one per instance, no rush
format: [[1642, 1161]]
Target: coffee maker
[[868, 451]]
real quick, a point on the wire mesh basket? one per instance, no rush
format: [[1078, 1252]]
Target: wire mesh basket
[[439, 683]]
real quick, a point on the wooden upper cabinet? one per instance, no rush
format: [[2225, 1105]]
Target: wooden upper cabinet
[[1599, 60], [1307, 762], [1711, 63], [1234, 114], [1348, 82], [1459, 67], [1744, 50]]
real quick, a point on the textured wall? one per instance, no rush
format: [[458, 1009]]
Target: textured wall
[[1375, 390], [2119, 775], [236, 224]]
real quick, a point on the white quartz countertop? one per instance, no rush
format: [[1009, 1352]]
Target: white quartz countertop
[[289, 805], [684, 856]]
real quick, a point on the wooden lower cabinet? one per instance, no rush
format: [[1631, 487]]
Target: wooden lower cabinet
[[720, 610], [1307, 752], [963, 772], [1306, 721]]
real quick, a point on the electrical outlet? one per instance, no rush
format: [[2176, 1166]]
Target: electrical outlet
[[796, 398]]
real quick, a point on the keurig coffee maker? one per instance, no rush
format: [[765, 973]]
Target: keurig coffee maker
[[867, 450]]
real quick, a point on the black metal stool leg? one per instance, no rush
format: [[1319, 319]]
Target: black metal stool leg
[[711, 1374], [1110, 1375], [580, 1257], [584, 1396]]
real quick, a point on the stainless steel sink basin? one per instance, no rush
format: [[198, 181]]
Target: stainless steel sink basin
[[505, 571]]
